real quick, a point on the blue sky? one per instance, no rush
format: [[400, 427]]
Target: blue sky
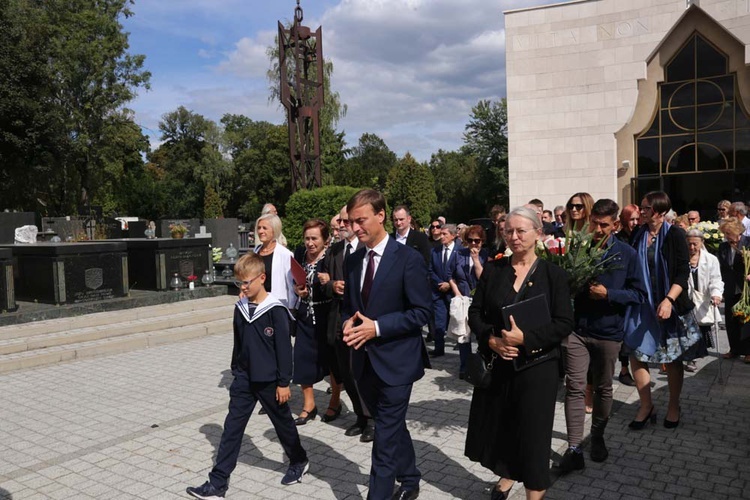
[[409, 70]]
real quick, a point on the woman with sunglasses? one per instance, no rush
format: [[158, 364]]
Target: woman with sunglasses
[[578, 211], [470, 262], [663, 329], [311, 353], [436, 229]]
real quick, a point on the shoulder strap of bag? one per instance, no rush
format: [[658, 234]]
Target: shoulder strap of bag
[[527, 280]]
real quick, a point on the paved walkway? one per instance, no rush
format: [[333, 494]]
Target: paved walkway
[[146, 424]]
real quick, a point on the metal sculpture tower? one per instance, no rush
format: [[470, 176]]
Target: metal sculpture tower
[[301, 69]]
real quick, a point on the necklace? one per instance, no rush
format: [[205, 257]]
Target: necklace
[[267, 250]]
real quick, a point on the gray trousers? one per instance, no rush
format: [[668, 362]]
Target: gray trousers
[[601, 356]]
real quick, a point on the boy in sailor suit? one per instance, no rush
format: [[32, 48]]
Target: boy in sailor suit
[[262, 369]]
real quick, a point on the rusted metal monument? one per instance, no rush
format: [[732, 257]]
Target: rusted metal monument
[[301, 68]]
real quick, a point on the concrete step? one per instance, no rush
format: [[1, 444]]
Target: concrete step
[[52, 341], [142, 325], [69, 324], [112, 345]]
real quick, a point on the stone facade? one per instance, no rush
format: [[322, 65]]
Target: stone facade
[[578, 81]]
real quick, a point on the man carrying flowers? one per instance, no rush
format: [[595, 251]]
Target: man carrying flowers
[[599, 329]]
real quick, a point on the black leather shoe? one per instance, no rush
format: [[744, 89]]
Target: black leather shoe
[[637, 425], [572, 460], [403, 494], [356, 429], [672, 424], [497, 494], [330, 418], [309, 415], [368, 434], [435, 353]]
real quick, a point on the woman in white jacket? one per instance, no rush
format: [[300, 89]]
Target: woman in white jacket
[[277, 258], [705, 287]]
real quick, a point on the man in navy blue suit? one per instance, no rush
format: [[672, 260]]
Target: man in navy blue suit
[[386, 302], [442, 268]]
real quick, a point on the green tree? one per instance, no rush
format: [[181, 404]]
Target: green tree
[[486, 138], [369, 163], [456, 185], [66, 74], [306, 204], [189, 160], [260, 158], [411, 183]]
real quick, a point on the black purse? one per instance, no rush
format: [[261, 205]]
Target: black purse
[[478, 370]]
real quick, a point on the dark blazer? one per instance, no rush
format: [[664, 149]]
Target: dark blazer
[[400, 303], [440, 274], [495, 290], [732, 274], [333, 264], [419, 242], [263, 348], [464, 275], [675, 252]]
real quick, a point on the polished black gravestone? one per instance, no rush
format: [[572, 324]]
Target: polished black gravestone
[[9, 221], [7, 292], [223, 232], [153, 262], [70, 273], [136, 229], [67, 228]]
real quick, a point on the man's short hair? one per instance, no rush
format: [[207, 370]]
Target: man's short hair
[[605, 208], [402, 207], [249, 264], [451, 228], [738, 207], [496, 210], [549, 212], [367, 197], [536, 201], [560, 208]]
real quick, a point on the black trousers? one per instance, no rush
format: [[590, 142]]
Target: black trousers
[[343, 357], [243, 395]]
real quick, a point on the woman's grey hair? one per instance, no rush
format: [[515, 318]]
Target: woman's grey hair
[[526, 213], [694, 233], [273, 221]]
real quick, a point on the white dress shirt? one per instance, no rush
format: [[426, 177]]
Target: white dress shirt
[[378, 249], [402, 239]]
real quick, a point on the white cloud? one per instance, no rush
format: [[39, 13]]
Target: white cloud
[[409, 70]]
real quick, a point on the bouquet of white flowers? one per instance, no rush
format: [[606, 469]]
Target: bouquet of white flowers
[[712, 237]]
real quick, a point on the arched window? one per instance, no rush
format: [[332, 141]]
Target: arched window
[[699, 126]]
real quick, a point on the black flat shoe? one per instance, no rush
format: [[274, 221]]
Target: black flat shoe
[[310, 416], [403, 494], [498, 494], [637, 425], [672, 424], [330, 418]]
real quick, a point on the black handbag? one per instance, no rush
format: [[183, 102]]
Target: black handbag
[[478, 370]]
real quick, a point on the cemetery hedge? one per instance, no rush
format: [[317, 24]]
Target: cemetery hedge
[[322, 203]]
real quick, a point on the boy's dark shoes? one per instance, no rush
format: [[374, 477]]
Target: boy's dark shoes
[[572, 460], [295, 472], [599, 451], [402, 494], [206, 492]]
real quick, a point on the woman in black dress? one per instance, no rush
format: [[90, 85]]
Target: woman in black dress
[[510, 422], [310, 345]]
